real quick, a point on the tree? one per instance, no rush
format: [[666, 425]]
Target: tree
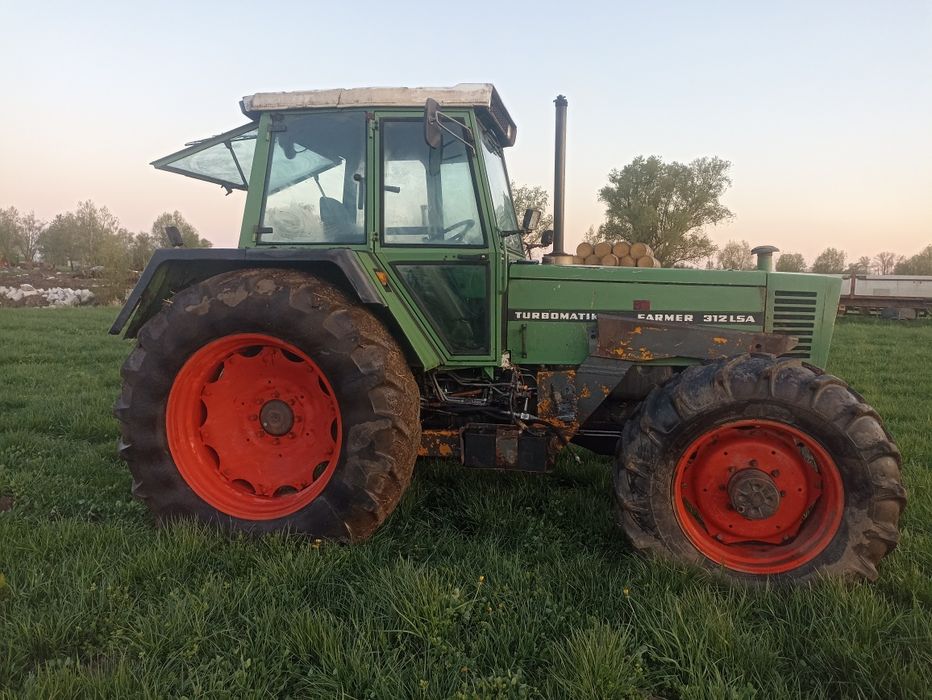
[[863, 265], [94, 229], [791, 262], [919, 264], [57, 243], [885, 262], [736, 255], [830, 261], [188, 233], [666, 205], [526, 197], [141, 249], [9, 235], [30, 231], [90, 236]]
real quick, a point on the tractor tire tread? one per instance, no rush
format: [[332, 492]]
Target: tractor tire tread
[[790, 386], [381, 434]]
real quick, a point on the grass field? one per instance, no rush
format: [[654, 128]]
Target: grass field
[[480, 585]]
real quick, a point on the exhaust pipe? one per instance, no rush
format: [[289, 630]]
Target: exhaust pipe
[[558, 255]]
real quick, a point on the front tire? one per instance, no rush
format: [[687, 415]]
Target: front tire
[[264, 400], [760, 468]]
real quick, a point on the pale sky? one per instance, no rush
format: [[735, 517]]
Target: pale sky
[[824, 108]]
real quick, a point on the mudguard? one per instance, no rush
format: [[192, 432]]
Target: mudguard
[[172, 269]]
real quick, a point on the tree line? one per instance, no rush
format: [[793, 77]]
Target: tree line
[[88, 238], [671, 205], [736, 255]]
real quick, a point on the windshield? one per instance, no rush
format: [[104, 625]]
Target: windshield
[[501, 191], [225, 159]]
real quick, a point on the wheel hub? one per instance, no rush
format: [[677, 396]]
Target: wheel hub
[[276, 417], [755, 518], [753, 494], [254, 426]]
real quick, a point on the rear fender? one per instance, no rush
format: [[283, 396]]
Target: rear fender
[[171, 270]]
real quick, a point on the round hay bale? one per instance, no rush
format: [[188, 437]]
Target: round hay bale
[[639, 250], [621, 248], [592, 260], [602, 248], [584, 250], [648, 261], [578, 260], [627, 261], [610, 260]]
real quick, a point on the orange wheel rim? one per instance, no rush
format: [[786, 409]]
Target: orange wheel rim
[[253, 426], [761, 497]]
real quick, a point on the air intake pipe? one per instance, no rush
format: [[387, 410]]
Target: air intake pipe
[[558, 255]]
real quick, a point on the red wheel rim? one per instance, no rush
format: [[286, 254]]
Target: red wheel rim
[[796, 486], [253, 426]]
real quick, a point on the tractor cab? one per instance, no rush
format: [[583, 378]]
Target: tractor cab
[[412, 179], [441, 178]]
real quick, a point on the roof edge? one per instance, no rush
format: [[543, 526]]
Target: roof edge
[[482, 96]]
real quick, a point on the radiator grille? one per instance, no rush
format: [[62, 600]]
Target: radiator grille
[[794, 313]]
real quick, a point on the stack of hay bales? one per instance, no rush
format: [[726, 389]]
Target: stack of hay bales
[[615, 254]]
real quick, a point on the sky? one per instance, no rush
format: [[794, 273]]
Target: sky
[[824, 109]]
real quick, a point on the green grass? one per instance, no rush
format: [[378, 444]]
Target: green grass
[[480, 585]]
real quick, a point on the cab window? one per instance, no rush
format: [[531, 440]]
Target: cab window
[[315, 188], [500, 190], [428, 194]]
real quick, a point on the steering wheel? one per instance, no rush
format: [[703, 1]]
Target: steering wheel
[[467, 226]]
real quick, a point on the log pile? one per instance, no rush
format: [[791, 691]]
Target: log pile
[[615, 254]]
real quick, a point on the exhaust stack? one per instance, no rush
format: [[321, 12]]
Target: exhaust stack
[[558, 255]]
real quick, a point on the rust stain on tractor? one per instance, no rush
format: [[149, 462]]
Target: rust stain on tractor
[[655, 341], [442, 443]]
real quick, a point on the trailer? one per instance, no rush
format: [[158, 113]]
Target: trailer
[[903, 297]]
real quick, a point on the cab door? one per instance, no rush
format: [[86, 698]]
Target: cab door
[[432, 236]]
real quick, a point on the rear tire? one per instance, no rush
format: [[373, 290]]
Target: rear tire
[[826, 474], [216, 389]]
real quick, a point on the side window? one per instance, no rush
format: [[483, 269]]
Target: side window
[[455, 298], [314, 192], [428, 194]]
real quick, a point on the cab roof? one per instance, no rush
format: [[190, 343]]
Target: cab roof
[[481, 96]]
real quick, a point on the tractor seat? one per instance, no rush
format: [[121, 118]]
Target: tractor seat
[[336, 222]]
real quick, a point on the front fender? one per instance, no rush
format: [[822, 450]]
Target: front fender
[[173, 269]]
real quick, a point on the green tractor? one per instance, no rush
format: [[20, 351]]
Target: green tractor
[[382, 306]]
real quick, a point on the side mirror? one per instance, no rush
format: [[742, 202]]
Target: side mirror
[[546, 238], [174, 236], [531, 219], [432, 133]]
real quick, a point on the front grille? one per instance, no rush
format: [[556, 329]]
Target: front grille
[[794, 313]]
